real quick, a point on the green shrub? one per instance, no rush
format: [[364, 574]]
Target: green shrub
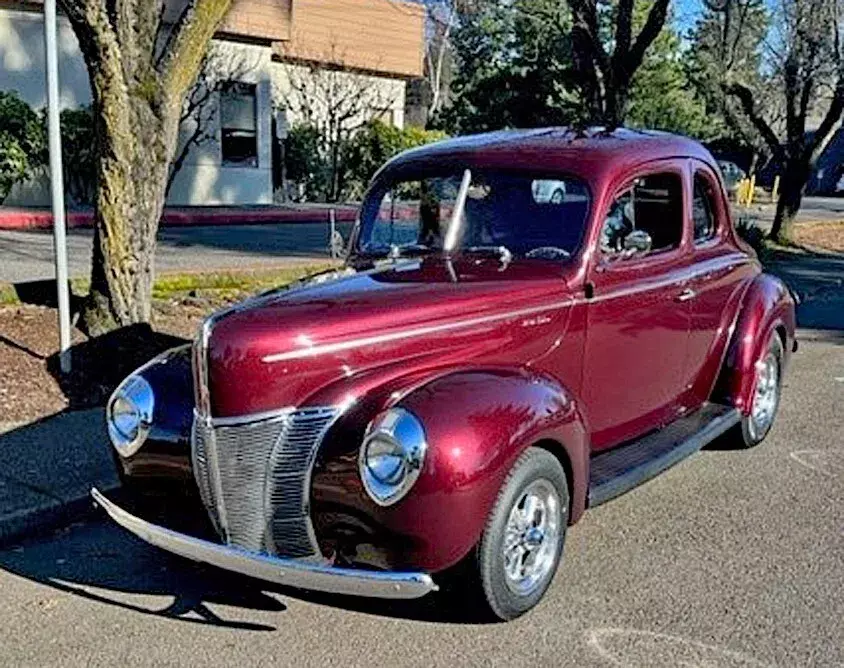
[[308, 163], [372, 146], [306, 166], [22, 142], [79, 154], [754, 235]]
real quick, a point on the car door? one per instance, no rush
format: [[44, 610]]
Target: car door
[[638, 313]]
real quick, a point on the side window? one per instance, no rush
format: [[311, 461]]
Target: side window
[[703, 209], [652, 204]]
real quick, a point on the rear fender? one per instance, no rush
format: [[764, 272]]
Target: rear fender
[[767, 308]]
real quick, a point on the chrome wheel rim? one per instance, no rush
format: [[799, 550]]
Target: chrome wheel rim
[[532, 537], [765, 396]]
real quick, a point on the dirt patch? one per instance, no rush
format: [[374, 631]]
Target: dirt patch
[[826, 236], [31, 385]]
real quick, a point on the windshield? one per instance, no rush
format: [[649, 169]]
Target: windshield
[[531, 215]]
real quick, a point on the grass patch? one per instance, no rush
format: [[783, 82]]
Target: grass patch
[[231, 283], [214, 285], [8, 294], [820, 235]]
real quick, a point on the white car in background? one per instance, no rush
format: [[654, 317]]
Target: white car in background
[[546, 191]]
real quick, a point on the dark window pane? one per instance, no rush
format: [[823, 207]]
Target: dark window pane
[[240, 147], [658, 202], [238, 117], [653, 204], [703, 210]]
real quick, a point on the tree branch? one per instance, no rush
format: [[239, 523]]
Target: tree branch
[[653, 26], [623, 28], [745, 97], [830, 123], [188, 43]]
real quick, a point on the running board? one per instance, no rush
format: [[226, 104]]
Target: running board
[[619, 470]]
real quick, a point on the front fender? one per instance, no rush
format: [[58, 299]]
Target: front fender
[[477, 423], [166, 452], [767, 307]]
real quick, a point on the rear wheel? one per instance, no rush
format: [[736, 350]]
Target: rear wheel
[[766, 395], [522, 543]]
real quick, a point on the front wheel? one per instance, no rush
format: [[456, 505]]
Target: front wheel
[[766, 394], [522, 543]]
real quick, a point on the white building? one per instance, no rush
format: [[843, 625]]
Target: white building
[[266, 54]]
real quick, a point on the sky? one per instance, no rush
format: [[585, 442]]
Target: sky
[[685, 13]]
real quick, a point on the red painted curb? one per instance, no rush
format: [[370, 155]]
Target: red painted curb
[[42, 219]]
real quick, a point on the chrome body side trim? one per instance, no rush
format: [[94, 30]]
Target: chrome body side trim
[[313, 351], [289, 572], [340, 346]]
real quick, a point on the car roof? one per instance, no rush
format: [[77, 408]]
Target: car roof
[[589, 153]]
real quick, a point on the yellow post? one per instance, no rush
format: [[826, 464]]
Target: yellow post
[[741, 191], [751, 189], [775, 191]]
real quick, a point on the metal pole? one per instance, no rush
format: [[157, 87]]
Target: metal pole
[[57, 181], [333, 243]]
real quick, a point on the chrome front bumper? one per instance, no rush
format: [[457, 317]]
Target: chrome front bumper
[[290, 572]]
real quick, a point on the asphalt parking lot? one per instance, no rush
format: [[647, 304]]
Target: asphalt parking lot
[[731, 559], [28, 255]]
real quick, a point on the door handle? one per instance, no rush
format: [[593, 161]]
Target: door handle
[[686, 295]]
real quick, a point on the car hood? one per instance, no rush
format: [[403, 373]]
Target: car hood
[[297, 346]]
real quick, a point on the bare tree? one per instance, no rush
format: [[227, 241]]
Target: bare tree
[[140, 66], [221, 65], [334, 100], [805, 62], [442, 18], [605, 64], [727, 43]]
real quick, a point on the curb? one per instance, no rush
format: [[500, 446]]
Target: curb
[[42, 219], [820, 335], [49, 515]]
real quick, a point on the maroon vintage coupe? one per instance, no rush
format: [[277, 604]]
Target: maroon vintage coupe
[[528, 324]]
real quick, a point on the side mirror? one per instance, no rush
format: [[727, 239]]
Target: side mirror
[[638, 241]]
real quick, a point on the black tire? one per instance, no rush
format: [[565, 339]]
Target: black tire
[[751, 431], [536, 469]]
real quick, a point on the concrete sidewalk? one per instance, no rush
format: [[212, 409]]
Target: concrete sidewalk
[[47, 469]]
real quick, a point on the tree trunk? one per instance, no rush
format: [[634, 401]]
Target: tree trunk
[[136, 145], [793, 181], [616, 104]]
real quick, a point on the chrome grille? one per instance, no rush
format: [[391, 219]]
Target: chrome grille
[[254, 478]]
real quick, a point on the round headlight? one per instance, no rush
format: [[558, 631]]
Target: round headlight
[[129, 415], [392, 455]]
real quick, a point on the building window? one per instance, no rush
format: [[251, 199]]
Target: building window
[[239, 122]]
